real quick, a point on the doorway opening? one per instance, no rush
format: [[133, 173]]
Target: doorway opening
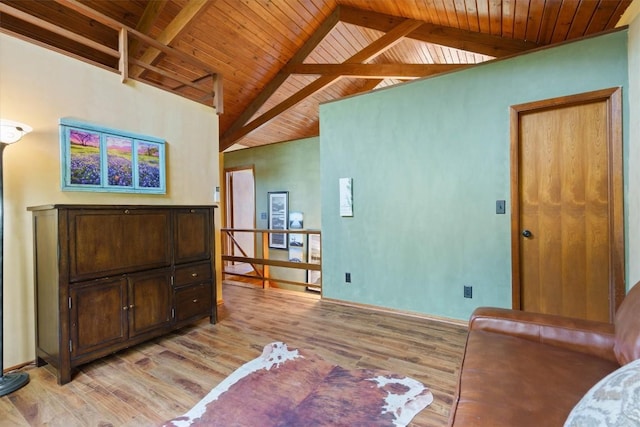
[[240, 214]]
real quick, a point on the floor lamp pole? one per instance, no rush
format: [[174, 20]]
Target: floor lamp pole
[[9, 382]]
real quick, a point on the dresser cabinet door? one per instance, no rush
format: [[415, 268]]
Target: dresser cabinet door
[[192, 234], [98, 315], [149, 301], [112, 241]]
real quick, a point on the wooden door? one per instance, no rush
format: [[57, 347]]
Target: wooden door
[[98, 315], [567, 220]]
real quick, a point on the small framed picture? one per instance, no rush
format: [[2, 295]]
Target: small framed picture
[[346, 196], [314, 256], [278, 205]]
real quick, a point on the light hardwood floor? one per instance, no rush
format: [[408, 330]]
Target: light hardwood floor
[[163, 378]]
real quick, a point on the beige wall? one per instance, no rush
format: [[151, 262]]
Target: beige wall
[[38, 87]]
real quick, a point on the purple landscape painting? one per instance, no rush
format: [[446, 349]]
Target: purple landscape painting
[[119, 161], [148, 165], [85, 157]]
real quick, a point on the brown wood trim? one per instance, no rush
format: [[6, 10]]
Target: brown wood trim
[[617, 191], [515, 207], [613, 98]]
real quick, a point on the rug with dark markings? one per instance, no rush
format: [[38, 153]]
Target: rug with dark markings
[[286, 387]]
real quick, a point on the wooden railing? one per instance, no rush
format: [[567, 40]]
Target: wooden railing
[[264, 274], [209, 85]]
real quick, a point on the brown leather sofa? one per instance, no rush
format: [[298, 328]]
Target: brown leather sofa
[[526, 369]]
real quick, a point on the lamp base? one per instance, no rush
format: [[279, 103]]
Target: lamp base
[[11, 382]]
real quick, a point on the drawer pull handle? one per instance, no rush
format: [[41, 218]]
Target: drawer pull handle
[[195, 300], [194, 274], [126, 211], [193, 211]]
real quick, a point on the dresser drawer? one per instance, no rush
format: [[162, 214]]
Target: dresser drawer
[[192, 273], [193, 301]]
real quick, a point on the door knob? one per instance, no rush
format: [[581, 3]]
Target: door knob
[[526, 233]]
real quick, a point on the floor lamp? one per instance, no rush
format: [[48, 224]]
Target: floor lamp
[[10, 132]]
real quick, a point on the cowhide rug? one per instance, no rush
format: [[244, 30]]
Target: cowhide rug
[[296, 388]]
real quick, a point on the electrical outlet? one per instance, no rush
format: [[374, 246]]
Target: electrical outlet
[[468, 291], [347, 277]]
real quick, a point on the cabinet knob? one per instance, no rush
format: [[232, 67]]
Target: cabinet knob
[[131, 306], [195, 300], [125, 308], [194, 274], [126, 211]]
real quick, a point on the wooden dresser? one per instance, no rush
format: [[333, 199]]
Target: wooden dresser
[[109, 277]]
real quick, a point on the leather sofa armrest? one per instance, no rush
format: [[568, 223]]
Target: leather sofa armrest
[[595, 338]]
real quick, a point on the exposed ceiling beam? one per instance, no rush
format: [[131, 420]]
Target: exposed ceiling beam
[[387, 41], [176, 27], [280, 78], [149, 16], [369, 71], [469, 41]]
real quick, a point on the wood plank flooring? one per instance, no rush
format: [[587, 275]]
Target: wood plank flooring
[[161, 379]]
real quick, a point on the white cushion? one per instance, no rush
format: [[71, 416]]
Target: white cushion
[[613, 401]]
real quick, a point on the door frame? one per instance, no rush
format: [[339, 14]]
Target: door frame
[[613, 99], [229, 201]]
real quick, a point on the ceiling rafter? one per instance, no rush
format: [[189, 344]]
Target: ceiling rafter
[[372, 71], [387, 41], [148, 18], [270, 51], [280, 78], [421, 31], [470, 41], [175, 28]]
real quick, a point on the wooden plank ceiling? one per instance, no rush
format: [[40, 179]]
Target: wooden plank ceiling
[[279, 59]]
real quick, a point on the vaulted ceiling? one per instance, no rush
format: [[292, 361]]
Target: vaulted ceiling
[[266, 65]]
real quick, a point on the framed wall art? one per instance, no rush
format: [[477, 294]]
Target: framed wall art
[[296, 241], [96, 158], [314, 256], [346, 196], [278, 204]]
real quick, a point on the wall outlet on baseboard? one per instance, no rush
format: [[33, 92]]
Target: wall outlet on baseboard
[[468, 291]]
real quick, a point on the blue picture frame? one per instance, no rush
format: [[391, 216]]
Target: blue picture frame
[[97, 158]]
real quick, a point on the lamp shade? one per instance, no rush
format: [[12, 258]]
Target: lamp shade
[[11, 131]]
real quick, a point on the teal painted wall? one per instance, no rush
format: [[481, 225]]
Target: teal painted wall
[[633, 199], [289, 166], [428, 160]]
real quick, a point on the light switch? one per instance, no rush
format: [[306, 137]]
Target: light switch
[[500, 207]]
